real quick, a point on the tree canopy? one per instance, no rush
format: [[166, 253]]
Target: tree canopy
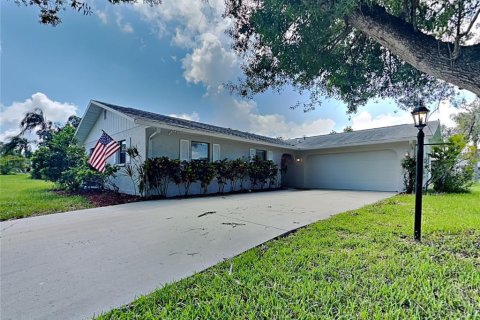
[[357, 50], [354, 50], [49, 10], [468, 121]]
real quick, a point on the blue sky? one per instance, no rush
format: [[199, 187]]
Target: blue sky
[[171, 59]]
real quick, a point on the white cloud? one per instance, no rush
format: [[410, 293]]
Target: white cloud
[[192, 116], [124, 27], [210, 61], [244, 115], [364, 120], [102, 15], [210, 64], [443, 112], [201, 28], [10, 116]]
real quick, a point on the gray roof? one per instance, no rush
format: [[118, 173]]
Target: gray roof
[[137, 114], [403, 132]]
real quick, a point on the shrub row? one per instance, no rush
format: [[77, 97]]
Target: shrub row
[[155, 175]]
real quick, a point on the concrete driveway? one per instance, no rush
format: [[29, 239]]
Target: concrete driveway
[[77, 264]]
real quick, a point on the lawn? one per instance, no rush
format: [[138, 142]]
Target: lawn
[[361, 264], [22, 197]]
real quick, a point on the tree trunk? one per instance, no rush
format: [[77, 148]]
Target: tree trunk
[[421, 51]]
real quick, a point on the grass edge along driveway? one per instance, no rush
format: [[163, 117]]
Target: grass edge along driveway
[[21, 197], [360, 264]]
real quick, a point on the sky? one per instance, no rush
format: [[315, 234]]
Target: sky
[[170, 59]]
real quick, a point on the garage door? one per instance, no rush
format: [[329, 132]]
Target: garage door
[[375, 170]]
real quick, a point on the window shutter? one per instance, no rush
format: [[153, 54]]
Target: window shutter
[[253, 152], [184, 150], [270, 155], [127, 157], [216, 152]]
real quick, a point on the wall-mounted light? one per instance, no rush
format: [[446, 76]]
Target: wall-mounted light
[[298, 160]]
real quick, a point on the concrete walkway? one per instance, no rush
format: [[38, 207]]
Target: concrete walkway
[[77, 264]]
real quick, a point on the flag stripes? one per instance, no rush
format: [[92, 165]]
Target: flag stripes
[[104, 148]]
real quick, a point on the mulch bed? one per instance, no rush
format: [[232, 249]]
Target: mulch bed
[[102, 198]]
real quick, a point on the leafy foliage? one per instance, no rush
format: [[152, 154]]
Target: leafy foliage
[[12, 164], [57, 155], [409, 169], [154, 176], [237, 173], [62, 161], [468, 121], [262, 172], [159, 172], [16, 146], [135, 171], [36, 120], [188, 175], [313, 46], [205, 171], [221, 173], [453, 165], [49, 10]]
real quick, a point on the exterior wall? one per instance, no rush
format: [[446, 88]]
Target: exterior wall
[[119, 128], [156, 142], [304, 170], [164, 142]]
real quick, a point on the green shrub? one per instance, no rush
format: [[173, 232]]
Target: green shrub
[[188, 175], [12, 164], [453, 165], [83, 176], [221, 173], [159, 172], [155, 174], [57, 155], [205, 172], [237, 173], [409, 170]]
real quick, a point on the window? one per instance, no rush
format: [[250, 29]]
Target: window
[[122, 153], [200, 150], [261, 154]]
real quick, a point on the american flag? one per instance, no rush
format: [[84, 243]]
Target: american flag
[[104, 148]]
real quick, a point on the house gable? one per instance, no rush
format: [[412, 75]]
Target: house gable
[[98, 118]]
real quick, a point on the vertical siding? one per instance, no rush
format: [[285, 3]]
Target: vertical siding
[[119, 128]]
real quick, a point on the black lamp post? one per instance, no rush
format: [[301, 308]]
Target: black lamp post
[[419, 115]]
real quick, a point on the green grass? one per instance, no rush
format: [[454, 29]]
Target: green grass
[[22, 197], [361, 264]]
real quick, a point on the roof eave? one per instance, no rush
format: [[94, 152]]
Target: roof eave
[[406, 139], [207, 133]]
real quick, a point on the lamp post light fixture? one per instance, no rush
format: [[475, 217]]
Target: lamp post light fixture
[[420, 116]]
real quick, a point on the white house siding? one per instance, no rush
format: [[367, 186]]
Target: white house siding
[[119, 128], [167, 143]]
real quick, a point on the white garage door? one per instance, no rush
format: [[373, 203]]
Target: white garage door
[[373, 170]]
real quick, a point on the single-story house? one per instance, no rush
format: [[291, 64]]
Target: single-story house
[[359, 160]]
